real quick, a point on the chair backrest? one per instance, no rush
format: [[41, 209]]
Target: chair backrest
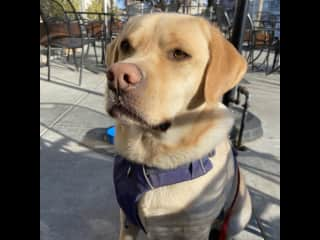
[[223, 19], [55, 20], [75, 17], [61, 19], [249, 22], [249, 28], [256, 36]]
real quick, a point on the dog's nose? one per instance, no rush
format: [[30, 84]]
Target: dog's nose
[[123, 76]]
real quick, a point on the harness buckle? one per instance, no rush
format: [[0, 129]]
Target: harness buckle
[[129, 171], [146, 177], [202, 166]]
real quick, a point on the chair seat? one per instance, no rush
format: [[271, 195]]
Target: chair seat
[[70, 42], [259, 36]]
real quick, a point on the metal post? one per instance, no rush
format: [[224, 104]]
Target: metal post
[[239, 22], [244, 91]]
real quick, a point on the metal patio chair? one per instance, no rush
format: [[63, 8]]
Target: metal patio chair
[[64, 30], [223, 21], [257, 40]]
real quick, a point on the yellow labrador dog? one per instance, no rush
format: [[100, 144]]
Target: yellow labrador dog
[[166, 76]]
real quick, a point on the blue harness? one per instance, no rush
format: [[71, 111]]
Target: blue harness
[[132, 180]]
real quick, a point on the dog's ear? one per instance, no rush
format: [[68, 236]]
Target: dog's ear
[[225, 68], [112, 52]]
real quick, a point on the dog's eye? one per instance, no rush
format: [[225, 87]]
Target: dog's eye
[[125, 46], [178, 54]]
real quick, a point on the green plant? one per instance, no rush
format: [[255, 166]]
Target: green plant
[[95, 6], [67, 7]]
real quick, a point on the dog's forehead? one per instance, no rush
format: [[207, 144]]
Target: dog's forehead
[[167, 28]]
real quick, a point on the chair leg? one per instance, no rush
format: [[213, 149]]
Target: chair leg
[[275, 58], [275, 68], [269, 51], [252, 57], [103, 46], [266, 70], [75, 59], [255, 58], [68, 55], [48, 61], [63, 57], [95, 51], [248, 56], [81, 65], [87, 52]]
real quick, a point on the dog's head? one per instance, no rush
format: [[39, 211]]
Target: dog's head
[[161, 65]]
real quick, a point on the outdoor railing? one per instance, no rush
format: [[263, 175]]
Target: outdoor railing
[[105, 26]]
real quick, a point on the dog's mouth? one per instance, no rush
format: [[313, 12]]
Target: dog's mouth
[[119, 111], [124, 113]]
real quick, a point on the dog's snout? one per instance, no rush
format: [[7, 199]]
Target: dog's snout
[[123, 76]]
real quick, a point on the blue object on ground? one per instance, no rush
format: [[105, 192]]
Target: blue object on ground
[[111, 132]]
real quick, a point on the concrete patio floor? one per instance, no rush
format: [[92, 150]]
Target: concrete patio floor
[[77, 200]]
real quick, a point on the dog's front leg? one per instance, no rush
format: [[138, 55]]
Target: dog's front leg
[[128, 231]]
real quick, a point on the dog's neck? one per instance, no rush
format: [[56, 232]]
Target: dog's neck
[[191, 135]]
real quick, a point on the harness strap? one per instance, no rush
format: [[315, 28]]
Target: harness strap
[[132, 180], [164, 177], [224, 228]]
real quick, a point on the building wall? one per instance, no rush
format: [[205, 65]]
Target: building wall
[[272, 6]]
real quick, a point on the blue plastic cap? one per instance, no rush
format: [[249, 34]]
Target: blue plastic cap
[[111, 132]]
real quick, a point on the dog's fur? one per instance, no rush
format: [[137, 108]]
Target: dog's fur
[[186, 93]]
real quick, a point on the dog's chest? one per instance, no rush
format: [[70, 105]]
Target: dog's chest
[[187, 208]]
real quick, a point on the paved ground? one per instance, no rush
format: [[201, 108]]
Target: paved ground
[[77, 201]]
